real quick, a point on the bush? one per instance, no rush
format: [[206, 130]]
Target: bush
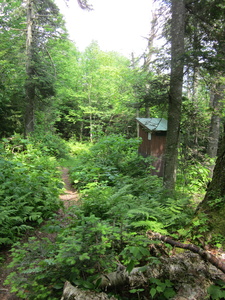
[[50, 144], [115, 185], [120, 200], [30, 187], [82, 250], [108, 160]]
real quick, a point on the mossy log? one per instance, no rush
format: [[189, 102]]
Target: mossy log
[[191, 276], [218, 263], [71, 292]]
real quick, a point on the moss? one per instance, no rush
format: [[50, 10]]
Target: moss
[[179, 250], [217, 221]]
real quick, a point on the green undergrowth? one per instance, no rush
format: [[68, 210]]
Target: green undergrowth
[[120, 200], [30, 186]]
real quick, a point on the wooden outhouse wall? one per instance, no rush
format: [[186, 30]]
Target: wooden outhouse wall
[[154, 147]]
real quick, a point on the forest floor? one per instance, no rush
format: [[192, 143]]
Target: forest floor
[[69, 197]]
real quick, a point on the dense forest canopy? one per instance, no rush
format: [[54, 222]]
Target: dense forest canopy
[[63, 108]]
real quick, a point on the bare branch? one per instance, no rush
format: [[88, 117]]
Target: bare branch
[[85, 5], [202, 253]]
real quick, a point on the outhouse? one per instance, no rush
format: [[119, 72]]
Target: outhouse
[[153, 133]]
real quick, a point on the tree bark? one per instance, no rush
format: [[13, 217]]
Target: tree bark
[[189, 274], [71, 292], [29, 85], [213, 203], [175, 93], [214, 131]]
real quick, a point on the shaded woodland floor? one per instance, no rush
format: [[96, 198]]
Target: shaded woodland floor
[[69, 198]]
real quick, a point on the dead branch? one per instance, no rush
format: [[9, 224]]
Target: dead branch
[[190, 275], [202, 253]]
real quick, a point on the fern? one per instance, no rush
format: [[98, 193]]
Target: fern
[[150, 225]]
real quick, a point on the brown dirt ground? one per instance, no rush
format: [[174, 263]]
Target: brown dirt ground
[[69, 197]]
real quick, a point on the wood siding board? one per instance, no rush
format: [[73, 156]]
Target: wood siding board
[[154, 147]]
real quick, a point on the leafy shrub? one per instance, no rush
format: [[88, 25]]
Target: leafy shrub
[[81, 250], [119, 153], [140, 211], [115, 185], [120, 200], [217, 290], [108, 160], [161, 289], [78, 148], [193, 175], [50, 144], [30, 186]]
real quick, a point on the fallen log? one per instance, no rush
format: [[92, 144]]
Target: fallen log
[[190, 275], [205, 255], [71, 292]]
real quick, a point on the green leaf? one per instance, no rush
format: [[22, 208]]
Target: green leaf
[[144, 251], [143, 269], [169, 293], [160, 288], [215, 292], [153, 292], [84, 256], [130, 266]]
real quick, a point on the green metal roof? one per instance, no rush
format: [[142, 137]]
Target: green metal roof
[[153, 124]]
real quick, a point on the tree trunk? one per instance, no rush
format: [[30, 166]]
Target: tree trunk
[[175, 93], [214, 131], [29, 85], [150, 48], [213, 203], [214, 127]]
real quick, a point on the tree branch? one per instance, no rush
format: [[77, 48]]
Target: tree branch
[[84, 4], [202, 253]]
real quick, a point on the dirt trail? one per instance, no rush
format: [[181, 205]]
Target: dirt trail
[[69, 197]]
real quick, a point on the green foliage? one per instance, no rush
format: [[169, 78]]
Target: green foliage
[[80, 251], [135, 252], [199, 228], [78, 148], [218, 240], [161, 289], [30, 186], [107, 160], [50, 144], [120, 200], [193, 175], [113, 173], [140, 209], [217, 290]]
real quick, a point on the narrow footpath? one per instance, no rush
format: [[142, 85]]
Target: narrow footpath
[[70, 196]]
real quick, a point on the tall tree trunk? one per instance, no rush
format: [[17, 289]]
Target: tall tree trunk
[[214, 201], [90, 114], [150, 48], [29, 85], [175, 93], [214, 131]]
